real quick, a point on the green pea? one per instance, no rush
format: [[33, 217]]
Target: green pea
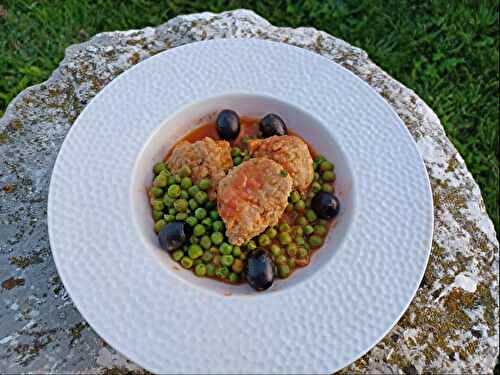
[[284, 227], [217, 238], [205, 184], [264, 240], [172, 211], [205, 242], [281, 259], [246, 157], [158, 167], [207, 256], [171, 180], [283, 270], [218, 226], [328, 176], [177, 255], [294, 196], [193, 190], [186, 183], [199, 230], [320, 230], [167, 201], [300, 205], [156, 192], [316, 176], [194, 240], [210, 205], [315, 241], [157, 215], [210, 269], [169, 218], [160, 181], [193, 204], [200, 213], [174, 191], [291, 263], [316, 187], [181, 205], [308, 229], [214, 215], [251, 245], [327, 187], [225, 248], [191, 220], [245, 139], [187, 262], [271, 232], [291, 250], [181, 216], [159, 225], [222, 272], [237, 160], [308, 202], [300, 241], [301, 220], [238, 266], [236, 251], [184, 195], [234, 277], [185, 171], [201, 197], [325, 166], [235, 151], [216, 260], [157, 205], [298, 231], [200, 270], [243, 256], [311, 215], [289, 207], [195, 251], [227, 260], [320, 158], [284, 238], [302, 253], [214, 250], [207, 222], [275, 250]]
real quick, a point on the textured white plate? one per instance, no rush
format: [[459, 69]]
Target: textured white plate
[[166, 320]]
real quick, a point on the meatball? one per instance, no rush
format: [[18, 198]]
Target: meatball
[[252, 197], [206, 158], [291, 153]]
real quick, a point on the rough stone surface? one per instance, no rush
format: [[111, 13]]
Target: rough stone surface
[[452, 324]]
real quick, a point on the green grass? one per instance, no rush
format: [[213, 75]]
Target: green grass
[[447, 51]]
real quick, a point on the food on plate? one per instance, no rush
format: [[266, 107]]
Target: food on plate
[[289, 151], [243, 200], [252, 197]]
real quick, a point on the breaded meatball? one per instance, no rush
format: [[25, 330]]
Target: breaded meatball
[[291, 153], [206, 158], [252, 197]]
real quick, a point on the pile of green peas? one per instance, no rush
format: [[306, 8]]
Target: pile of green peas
[[208, 253], [174, 197]]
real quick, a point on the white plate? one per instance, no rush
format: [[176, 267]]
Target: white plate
[[165, 319]]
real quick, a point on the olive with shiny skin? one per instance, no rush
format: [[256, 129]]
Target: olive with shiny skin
[[325, 205], [272, 124], [260, 270], [228, 125], [174, 235]]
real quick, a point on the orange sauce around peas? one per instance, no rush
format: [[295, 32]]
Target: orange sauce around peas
[[250, 128]]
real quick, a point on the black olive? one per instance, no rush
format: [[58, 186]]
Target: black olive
[[325, 205], [272, 124], [173, 235], [228, 125], [260, 270]]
